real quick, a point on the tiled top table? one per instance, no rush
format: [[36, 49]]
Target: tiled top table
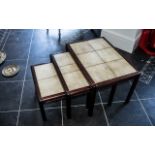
[[47, 85], [103, 66], [71, 76]]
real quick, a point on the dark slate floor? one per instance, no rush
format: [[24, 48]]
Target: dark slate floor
[[18, 105]]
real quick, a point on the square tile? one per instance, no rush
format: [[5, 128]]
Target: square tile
[[138, 58], [146, 91], [75, 80], [98, 43], [131, 114], [118, 70], [19, 76], [17, 50], [50, 86], [21, 31], [108, 54], [64, 59], [19, 36], [69, 68], [44, 49], [10, 93], [90, 59], [149, 106], [29, 96], [8, 119], [81, 47], [45, 71], [121, 93], [34, 118], [100, 73], [80, 117]]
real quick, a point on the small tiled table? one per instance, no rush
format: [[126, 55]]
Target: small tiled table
[[71, 76], [102, 66], [47, 85]]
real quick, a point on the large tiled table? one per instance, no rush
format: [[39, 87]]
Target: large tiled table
[[102, 66], [88, 66]]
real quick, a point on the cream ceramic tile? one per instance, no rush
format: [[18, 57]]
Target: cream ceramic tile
[[81, 47], [100, 73], [69, 68], [50, 86], [45, 71], [75, 80], [64, 59], [121, 67], [108, 54], [90, 59], [98, 43]]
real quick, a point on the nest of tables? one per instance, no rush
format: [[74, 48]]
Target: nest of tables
[[86, 67]]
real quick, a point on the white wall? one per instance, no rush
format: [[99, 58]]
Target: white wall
[[125, 39]]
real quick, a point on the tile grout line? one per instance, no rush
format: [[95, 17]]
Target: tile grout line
[[8, 111], [47, 108], [57, 107], [105, 115], [15, 59], [122, 101], [29, 110], [21, 97], [140, 102], [25, 59], [13, 81], [62, 113], [143, 99], [2, 81]]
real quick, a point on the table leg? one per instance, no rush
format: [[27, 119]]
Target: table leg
[[68, 105], [88, 99], [42, 111], [91, 100], [132, 89], [112, 93], [59, 35]]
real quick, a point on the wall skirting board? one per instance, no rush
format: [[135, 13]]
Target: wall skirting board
[[125, 39]]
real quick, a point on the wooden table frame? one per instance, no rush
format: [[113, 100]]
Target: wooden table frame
[[44, 100], [70, 94], [112, 82]]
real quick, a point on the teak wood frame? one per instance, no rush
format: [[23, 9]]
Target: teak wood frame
[[113, 82], [44, 100], [71, 93]]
